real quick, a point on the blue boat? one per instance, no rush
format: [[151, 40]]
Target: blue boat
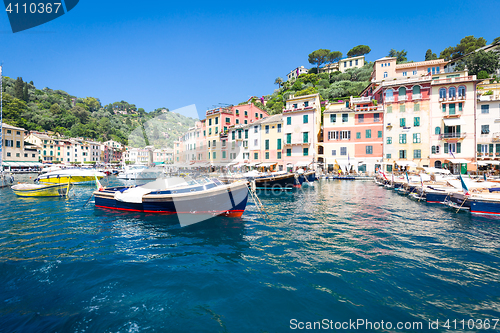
[[178, 195]]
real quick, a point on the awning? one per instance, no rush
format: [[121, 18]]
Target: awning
[[254, 164], [232, 163], [302, 164], [454, 121], [457, 161], [406, 163], [267, 164], [436, 170], [483, 163]]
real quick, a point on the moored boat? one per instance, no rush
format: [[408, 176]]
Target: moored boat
[[40, 190], [178, 195], [74, 176]]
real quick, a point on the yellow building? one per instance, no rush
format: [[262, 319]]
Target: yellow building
[[271, 129]]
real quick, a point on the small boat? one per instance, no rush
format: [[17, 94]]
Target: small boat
[[75, 176], [178, 195], [39, 190]]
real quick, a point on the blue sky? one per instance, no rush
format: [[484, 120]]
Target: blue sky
[[172, 54]]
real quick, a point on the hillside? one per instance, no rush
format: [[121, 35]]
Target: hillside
[[55, 110]]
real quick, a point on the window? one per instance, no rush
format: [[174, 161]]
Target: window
[[267, 129], [389, 109], [388, 156], [305, 119], [369, 150], [256, 142], [278, 155], [417, 153], [356, 62], [416, 107], [389, 140], [385, 75], [376, 117], [361, 118], [442, 93], [416, 138], [305, 151], [444, 107], [267, 144], [460, 107], [255, 156], [484, 108], [414, 72], [18, 144], [368, 134], [216, 130], [345, 64], [279, 144], [345, 135], [288, 120], [345, 117], [246, 134], [389, 95], [306, 104], [237, 121], [416, 91], [256, 115], [402, 122], [214, 143], [289, 138], [402, 93], [237, 112], [288, 152], [343, 151], [379, 134], [333, 118], [267, 155], [233, 135], [416, 121], [8, 154], [405, 73], [334, 152], [452, 92], [358, 135], [210, 122], [305, 137], [461, 91], [350, 63], [228, 120], [485, 129], [279, 128], [452, 108], [402, 108], [333, 135], [214, 155], [402, 154], [402, 138], [239, 134], [217, 121], [223, 154], [246, 113]]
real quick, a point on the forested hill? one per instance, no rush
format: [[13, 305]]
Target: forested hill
[[55, 110]]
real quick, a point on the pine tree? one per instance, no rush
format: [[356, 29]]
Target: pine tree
[[18, 88]]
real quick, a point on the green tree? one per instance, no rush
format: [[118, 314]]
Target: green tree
[[19, 88], [400, 55], [55, 109], [483, 61], [359, 50], [430, 56], [334, 57], [483, 75], [278, 81], [319, 57], [92, 103], [496, 40], [467, 45], [80, 113]]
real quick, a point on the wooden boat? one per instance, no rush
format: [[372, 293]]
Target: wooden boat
[[40, 190], [178, 195]]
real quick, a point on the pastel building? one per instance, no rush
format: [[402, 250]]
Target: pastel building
[[15, 149], [301, 130], [344, 64], [271, 146], [453, 133], [294, 73], [488, 123], [387, 69]]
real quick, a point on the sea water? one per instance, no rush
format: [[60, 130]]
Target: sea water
[[329, 255]]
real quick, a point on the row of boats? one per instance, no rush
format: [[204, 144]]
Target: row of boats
[[201, 194], [479, 195]]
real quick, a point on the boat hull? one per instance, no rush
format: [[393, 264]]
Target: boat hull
[[487, 207], [66, 179], [56, 190], [229, 200], [280, 182]]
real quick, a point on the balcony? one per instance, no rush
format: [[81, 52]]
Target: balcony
[[488, 98], [223, 135], [362, 100], [402, 98], [453, 80], [416, 96], [447, 136], [389, 99], [368, 108]]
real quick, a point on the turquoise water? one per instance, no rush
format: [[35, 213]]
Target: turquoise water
[[339, 251]]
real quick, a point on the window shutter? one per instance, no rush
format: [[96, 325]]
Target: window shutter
[[349, 135], [459, 147], [337, 133], [446, 148], [491, 148], [478, 148], [433, 149]]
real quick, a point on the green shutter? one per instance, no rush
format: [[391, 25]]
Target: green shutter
[[279, 143], [358, 135], [433, 149], [379, 134], [416, 107], [389, 109], [478, 148], [446, 148], [402, 108], [491, 148], [452, 108], [497, 148], [459, 147], [267, 144], [416, 121], [306, 137]]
